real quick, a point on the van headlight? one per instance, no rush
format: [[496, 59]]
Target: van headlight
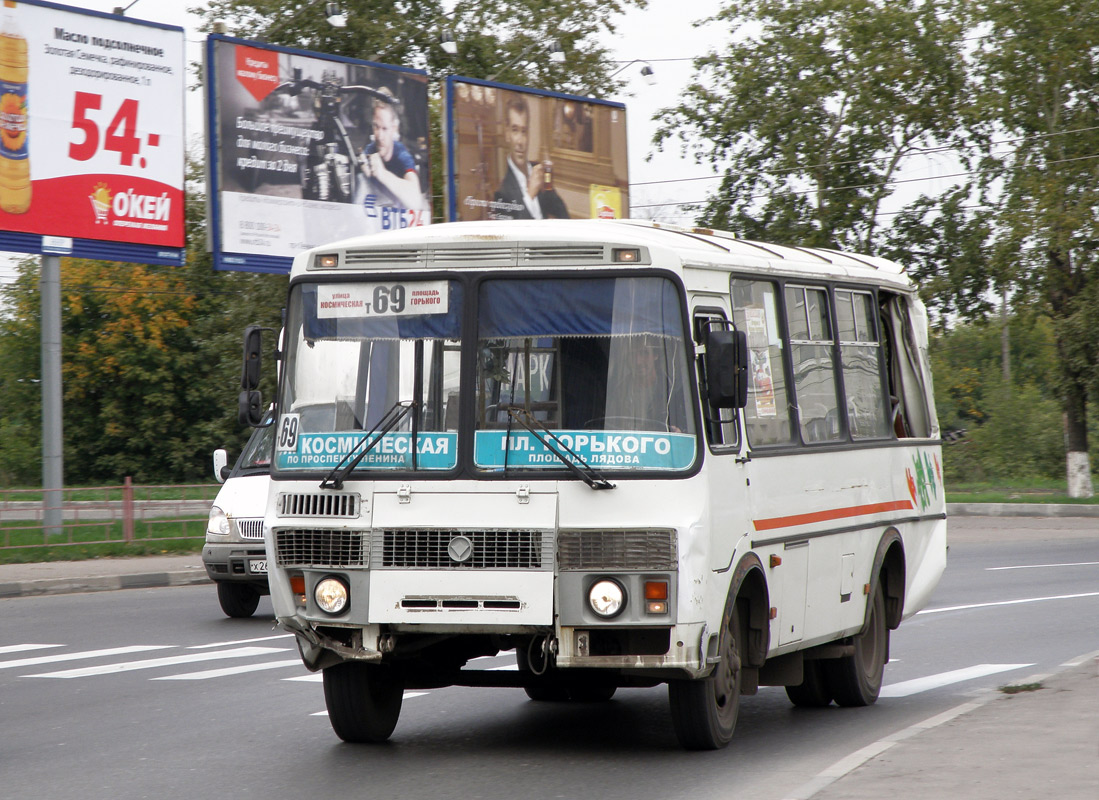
[[219, 523], [607, 598]]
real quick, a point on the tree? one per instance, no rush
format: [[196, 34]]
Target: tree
[[151, 364], [507, 41], [810, 116], [1035, 65]]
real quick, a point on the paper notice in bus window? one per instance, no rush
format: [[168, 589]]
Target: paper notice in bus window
[[755, 320], [763, 386], [396, 299]]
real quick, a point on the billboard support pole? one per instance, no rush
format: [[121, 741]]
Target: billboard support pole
[[49, 285]]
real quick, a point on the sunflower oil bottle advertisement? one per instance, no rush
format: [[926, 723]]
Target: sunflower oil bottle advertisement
[[91, 125]]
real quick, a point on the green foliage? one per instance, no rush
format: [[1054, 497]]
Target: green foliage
[[1012, 431], [150, 365], [810, 118], [505, 40]]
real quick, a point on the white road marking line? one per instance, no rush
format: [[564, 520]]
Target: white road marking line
[[407, 696], [224, 671], [1075, 662], [1044, 566], [240, 641], [313, 677], [128, 666], [1008, 602], [906, 688], [845, 765], [113, 651], [22, 648]]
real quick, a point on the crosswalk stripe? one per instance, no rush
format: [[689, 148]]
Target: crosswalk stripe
[[407, 696], [224, 671], [240, 641], [907, 688], [313, 677], [127, 666], [22, 648], [112, 651]]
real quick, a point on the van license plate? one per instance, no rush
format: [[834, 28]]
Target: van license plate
[[258, 566]]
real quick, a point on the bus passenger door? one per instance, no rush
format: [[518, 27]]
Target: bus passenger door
[[727, 485]]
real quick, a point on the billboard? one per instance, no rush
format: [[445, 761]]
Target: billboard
[[306, 148], [520, 153], [91, 134]]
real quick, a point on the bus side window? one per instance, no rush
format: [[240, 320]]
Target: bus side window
[[720, 423], [860, 357], [756, 312], [907, 391], [812, 347]]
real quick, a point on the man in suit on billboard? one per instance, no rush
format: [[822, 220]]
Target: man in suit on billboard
[[526, 192]]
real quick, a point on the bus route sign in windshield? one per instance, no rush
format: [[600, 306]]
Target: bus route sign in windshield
[[624, 449], [337, 301]]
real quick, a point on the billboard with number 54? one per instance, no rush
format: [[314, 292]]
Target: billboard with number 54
[[91, 130]]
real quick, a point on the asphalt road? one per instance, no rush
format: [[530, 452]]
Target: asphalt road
[[217, 706]]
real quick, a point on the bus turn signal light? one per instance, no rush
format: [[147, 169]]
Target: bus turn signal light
[[656, 597]]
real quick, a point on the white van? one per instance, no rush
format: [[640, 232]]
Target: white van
[[234, 554]]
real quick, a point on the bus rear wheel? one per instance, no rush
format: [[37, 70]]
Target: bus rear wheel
[[704, 712], [363, 701], [856, 680], [813, 691]]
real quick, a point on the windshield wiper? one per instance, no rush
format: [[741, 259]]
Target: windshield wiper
[[581, 468], [388, 422]]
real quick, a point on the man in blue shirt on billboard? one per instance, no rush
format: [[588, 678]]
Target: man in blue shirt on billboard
[[390, 169]]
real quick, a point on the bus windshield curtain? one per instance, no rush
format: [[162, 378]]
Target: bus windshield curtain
[[412, 326], [578, 307]]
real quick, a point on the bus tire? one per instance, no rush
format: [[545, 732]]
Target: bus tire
[[363, 700], [856, 680], [704, 712], [537, 688], [813, 691], [238, 600]]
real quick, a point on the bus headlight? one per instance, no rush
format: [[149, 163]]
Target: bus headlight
[[332, 595], [219, 523], [607, 598]]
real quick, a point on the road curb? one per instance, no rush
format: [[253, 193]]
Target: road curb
[[849, 763], [104, 583], [1021, 510]]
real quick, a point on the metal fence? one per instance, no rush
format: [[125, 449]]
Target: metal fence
[[125, 514]]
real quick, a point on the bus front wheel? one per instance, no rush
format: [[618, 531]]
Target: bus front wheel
[[363, 700], [704, 712], [855, 680]]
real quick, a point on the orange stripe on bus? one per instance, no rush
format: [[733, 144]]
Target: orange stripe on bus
[[832, 513]]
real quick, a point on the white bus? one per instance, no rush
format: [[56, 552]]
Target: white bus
[[632, 454]]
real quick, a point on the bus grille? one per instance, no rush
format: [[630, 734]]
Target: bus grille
[[330, 504], [617, 550], [250, 528], [320, 548], [430, 549]]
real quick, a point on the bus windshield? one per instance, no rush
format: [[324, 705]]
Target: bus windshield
[[598, 365], [599, 362]]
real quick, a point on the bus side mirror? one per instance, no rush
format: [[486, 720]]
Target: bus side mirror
[[253, 358], [250, 409], [727, 368]]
